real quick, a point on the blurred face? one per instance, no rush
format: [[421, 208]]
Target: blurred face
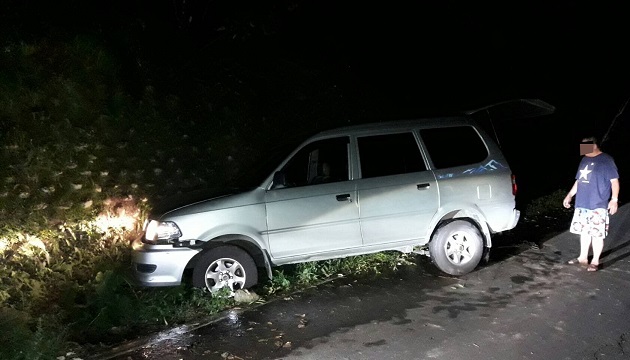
[[586, 147]]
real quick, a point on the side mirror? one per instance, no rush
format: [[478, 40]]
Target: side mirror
[[279, 180]]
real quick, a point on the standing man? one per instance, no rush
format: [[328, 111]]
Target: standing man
[[596, 191]]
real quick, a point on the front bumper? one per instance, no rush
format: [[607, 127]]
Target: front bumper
[[159, 265]]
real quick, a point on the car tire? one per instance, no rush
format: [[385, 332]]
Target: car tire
[[223, 266], [456, 247]]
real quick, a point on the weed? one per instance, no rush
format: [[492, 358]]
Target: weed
[[549, 205], [83, 159], [279, 283], [19, 341]]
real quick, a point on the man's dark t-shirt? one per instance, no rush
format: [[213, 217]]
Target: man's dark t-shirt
[[593, 177]]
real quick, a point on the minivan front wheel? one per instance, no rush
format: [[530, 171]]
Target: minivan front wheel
[[456, 247], [225, 266]]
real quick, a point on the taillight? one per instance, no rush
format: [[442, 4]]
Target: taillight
[[514, 186]]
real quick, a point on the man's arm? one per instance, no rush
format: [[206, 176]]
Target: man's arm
[[567, 199], [613, 204]]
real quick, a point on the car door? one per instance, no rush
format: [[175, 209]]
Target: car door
[[398, 196], [315, 212]]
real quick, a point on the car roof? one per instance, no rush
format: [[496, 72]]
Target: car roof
[[397, 125]]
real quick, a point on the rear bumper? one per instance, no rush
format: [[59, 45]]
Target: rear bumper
[[516, 215], [500, 219]]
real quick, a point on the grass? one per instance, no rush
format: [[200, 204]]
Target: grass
[[83, 160]]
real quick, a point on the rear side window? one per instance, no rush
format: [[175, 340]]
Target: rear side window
[[454, 146], [391, 154]]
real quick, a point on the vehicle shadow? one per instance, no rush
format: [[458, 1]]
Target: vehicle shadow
[[526, 236]]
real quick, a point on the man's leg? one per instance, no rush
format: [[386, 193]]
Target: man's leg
[[598, 246], [585, 244]]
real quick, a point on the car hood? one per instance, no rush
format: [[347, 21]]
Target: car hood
[[190, 198]]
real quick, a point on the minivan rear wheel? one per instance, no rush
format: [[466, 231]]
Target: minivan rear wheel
[[224, 266], [456, 247]]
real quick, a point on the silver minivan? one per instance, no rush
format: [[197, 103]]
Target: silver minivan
[[439, 187]]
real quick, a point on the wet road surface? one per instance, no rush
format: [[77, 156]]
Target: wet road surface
[[525, 304]]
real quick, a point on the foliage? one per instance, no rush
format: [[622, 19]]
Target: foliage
[[298, 276], [549, 205], [79, 156], [85, 153], [43, 341], [84, 156]]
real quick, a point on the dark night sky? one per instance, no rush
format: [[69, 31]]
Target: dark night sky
[[440, 51], [468, 54], [414, 57], [418, 54]]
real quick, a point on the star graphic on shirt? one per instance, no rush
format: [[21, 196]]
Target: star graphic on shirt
[[584, 172]]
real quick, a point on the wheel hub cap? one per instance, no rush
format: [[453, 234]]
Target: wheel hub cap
[[225, 272], [458, 249]]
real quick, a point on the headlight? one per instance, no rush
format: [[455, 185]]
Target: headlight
[[161, 232]]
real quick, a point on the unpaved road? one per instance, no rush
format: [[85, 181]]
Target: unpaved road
[[529, 305]]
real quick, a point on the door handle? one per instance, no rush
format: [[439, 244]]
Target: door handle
[[343, 197], [423, 186]]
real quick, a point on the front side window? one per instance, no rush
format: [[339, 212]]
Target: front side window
[[320, 162], [454, 146], [392, 154]]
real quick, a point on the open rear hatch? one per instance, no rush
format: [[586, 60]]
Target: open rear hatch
[[515, 109]]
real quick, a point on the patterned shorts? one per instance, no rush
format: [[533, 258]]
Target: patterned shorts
[[590, 222]]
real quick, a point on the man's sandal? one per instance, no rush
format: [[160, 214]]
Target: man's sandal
[[592, 267], [575, 262]]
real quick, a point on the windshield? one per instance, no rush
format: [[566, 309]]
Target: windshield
[[255, 171]]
